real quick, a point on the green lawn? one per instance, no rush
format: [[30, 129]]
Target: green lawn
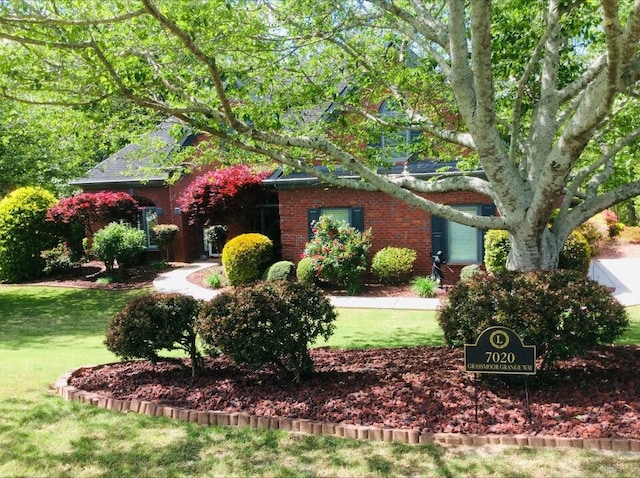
[[46, 331]]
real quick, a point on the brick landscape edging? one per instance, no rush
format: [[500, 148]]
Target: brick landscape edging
[[313, 427]]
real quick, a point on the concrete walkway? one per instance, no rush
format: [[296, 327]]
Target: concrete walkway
[[621, 275]]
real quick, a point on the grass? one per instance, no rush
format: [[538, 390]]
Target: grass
[[47, 331], [375, 328]]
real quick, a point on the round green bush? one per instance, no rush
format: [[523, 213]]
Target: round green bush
[[470, 271], [119, 242], [562, 312], [496, 250], [246, 257], [575, 254], [281, 270], [153, 322], [392, 265], [305, 272], [24, 233], [268, 324]]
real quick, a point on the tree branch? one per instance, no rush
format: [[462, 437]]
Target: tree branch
[[210, 63], [71, 23]]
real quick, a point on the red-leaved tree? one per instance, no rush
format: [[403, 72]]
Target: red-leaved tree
[[88, 212], [225, 195]]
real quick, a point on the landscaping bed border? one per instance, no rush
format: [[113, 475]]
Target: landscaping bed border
[[313, 427]]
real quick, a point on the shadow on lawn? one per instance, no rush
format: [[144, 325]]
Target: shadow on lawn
[[33, 315]]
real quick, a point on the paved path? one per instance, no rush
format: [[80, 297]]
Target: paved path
[[623, 275]]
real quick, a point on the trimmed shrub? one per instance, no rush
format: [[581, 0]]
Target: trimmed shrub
[[119, 242], [245, 258], [631, 234], [24, 233], [595, 232], [282, 270], [338, 252], [424, 286], [216, 235], [496, 250], [153, 322], [562, 312], [393, 264], [575, 254], [305, 271], [164, 235], [470, 271], [268, 324]]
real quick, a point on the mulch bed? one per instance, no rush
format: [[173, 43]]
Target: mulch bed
[[425, 388]]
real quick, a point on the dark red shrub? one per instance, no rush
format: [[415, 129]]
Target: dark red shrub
[[562, 312], [95, 208], [268, 324], [153, 322]]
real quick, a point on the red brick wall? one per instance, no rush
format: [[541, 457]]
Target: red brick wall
[[392, 222]]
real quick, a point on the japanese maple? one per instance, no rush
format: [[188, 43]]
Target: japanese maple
[[216, 192], [98, 208]]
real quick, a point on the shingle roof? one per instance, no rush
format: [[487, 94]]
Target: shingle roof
[[132, 164], [424, 168]]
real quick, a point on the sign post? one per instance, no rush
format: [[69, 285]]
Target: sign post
[[500, 350]]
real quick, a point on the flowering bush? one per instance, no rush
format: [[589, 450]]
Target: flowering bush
[[58, 259], [216, 192], [338, 252]]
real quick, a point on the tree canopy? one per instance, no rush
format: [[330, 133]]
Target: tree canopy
[[49, 145], [540, 95]]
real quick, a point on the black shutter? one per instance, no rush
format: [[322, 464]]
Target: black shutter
[[357, 218], [485, 210], [488, 210], [312, 216], [439, 236]]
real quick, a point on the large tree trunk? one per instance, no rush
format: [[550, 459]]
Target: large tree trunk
[[532, 251]]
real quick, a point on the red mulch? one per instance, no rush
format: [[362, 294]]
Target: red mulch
[[596, 396], [88, 276]]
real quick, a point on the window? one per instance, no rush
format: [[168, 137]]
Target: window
[[396, 145], [460, 244], [148, 219], [354, 216]]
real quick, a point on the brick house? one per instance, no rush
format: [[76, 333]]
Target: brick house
[[128, 171], [299, 199], [303, 199]]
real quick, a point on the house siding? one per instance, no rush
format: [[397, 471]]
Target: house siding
[[392, 222]]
